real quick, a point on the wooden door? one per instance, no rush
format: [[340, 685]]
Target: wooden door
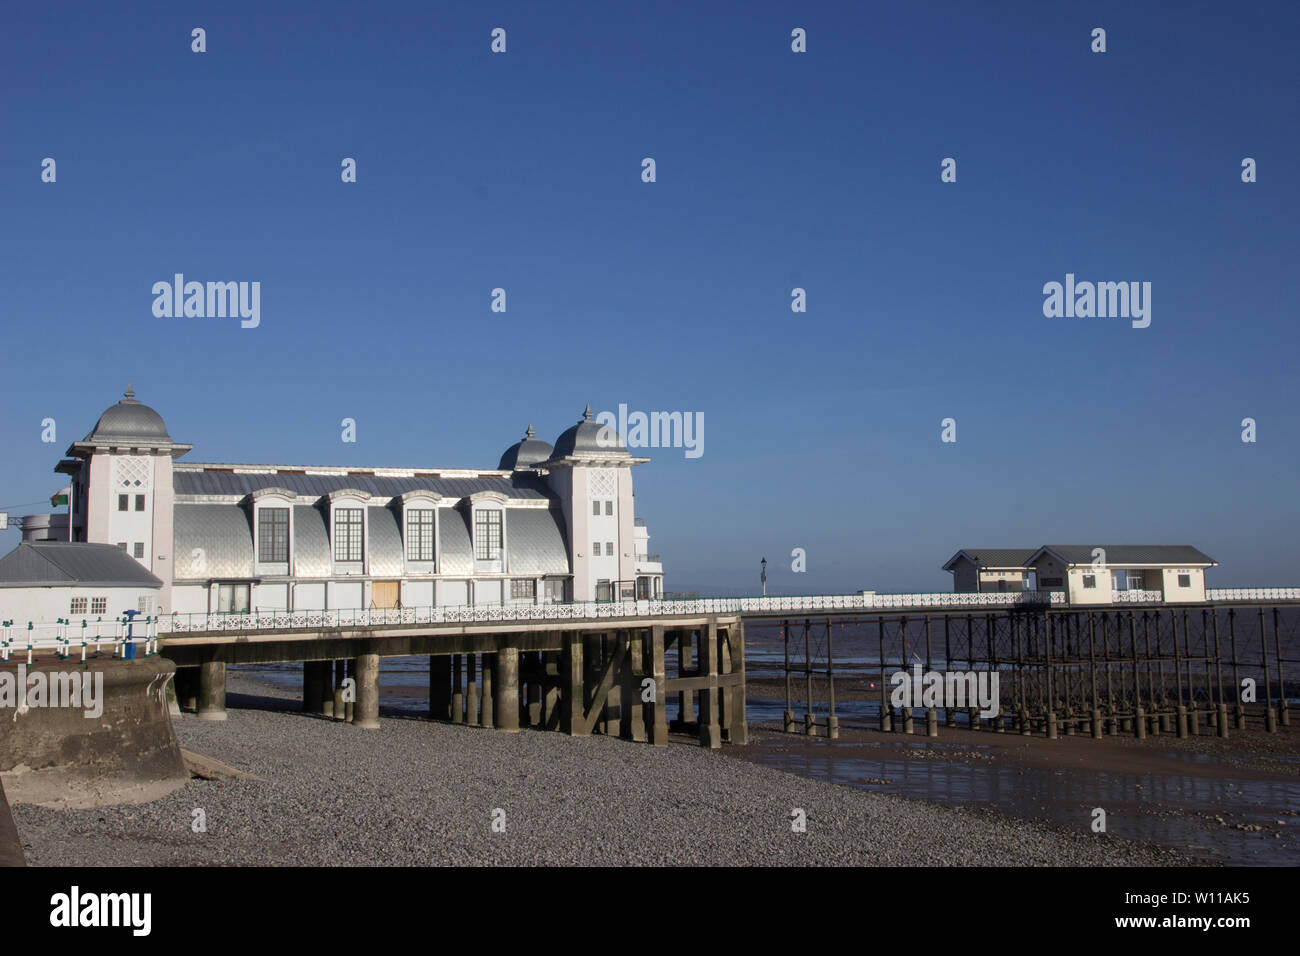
[[384, 593]]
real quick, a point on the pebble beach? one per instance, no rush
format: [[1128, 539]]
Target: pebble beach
[[418, 793]]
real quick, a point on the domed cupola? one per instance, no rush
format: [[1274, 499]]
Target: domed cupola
[[589, 438], [526, 453], [129, 421]]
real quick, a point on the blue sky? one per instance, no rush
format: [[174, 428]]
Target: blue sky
[[774, 170]]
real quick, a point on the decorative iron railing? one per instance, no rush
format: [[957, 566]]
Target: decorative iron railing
[[1136, 596]]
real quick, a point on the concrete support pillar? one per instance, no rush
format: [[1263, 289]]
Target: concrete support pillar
[[187, 688], [507, 690], [739, 729], [350, 706], [534, 690], [591, 677], [365, 712], [572, 687], [212, 690], [551, 690], [485, 697], [471, 689], [340, 711], [440, 687], [633, 713], [457, 694], [710, 728], [656, 709]]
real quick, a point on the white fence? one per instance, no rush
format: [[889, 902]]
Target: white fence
[[70, 637], [588, 611], [1216, 595]]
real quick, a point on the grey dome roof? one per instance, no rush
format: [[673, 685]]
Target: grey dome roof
[[129, 420], [525, 453], [589, 437]]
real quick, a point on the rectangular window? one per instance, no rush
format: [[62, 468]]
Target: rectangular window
[[609, 548], [555, 591], [609, 507], [487, 535], [1135, 582], [122, 545], [347, 534], [595, 507], [595, 548], [99, 605], [144, 605], [1090, 580], [419, 535], [273, 535], [523, 588], [139, 502], [1184, 580], [233, 597], [138, 550], [79, 605], [122, 502]]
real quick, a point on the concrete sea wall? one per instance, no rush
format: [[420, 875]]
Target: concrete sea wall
[[60, 757]]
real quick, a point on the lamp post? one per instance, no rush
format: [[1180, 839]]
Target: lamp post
[[763, 577]]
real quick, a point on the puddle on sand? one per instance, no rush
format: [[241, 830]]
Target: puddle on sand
[[1172, 810]]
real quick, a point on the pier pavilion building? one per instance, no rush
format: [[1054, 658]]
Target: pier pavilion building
[[550, 523]]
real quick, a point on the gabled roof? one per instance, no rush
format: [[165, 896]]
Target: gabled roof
[[67, 563], [1160, 555], [992, 557]]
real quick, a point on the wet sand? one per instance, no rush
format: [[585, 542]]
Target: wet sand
[[1234, 801]]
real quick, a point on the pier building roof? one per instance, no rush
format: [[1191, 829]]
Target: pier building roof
[[63, 563]]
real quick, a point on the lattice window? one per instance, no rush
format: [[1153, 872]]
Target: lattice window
[[99, 605], [133, 472], [79, 605], [604, 483]]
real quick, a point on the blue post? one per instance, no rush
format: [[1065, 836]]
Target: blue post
[[128, 649]]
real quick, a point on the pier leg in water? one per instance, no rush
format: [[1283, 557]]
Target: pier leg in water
[[656, 710], [212, 690], [440, 687], [507, 690], [365, 712]]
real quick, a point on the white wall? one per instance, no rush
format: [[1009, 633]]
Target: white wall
[[48, 604]]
